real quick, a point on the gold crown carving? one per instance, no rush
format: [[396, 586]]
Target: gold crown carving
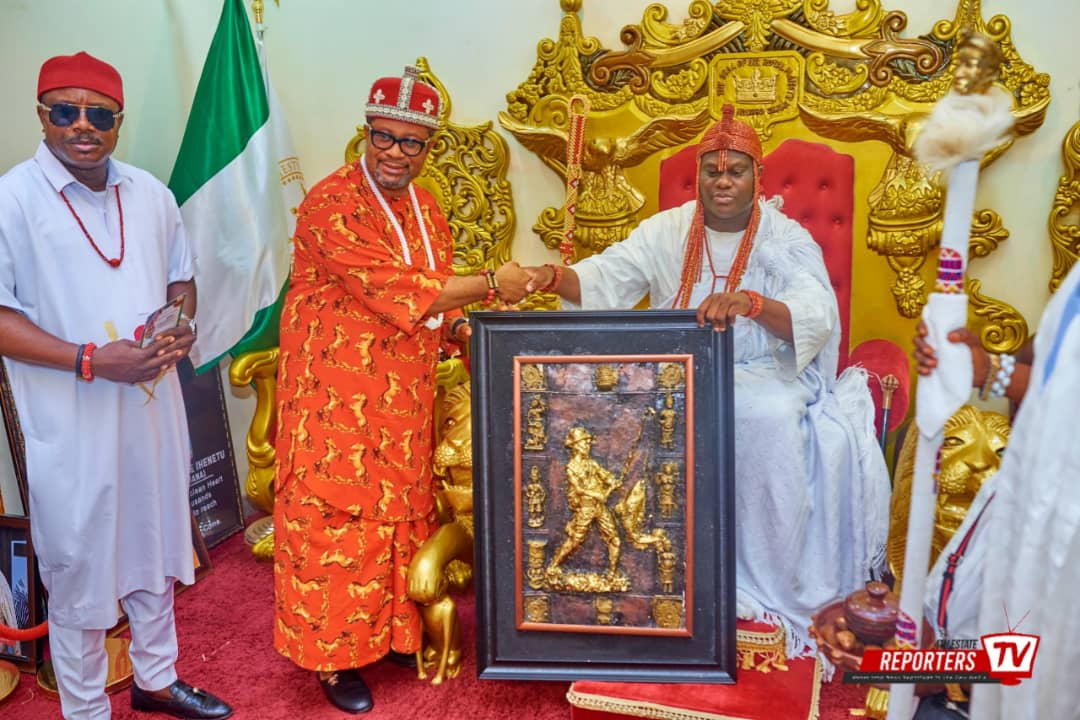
[[755, 89]]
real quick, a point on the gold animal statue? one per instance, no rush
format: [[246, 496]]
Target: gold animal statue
[[443, 563], [970, 453]]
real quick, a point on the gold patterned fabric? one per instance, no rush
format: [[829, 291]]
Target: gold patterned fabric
[[340, 583]]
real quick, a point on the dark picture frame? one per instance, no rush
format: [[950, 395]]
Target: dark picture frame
[[18, 574], [603, 474], [214, 492], [17, 449]]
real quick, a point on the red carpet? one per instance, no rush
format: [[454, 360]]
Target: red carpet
[[224, 627]]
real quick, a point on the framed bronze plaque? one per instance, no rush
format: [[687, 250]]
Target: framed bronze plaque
[[603, 473]]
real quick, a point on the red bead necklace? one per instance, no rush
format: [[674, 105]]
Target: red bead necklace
[[113, 262]]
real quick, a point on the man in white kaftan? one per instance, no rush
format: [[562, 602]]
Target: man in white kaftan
[[811, 487], [88, 247], [1033, 532]]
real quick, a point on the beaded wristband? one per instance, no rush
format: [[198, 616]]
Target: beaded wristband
[[1003, 377], [493, 286], [757, 303], [86, 367], [556, 278], [78, 360], [991, 374], [458, 322]]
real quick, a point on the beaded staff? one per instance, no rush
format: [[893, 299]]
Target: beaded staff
[[959, 130], [575, 149]]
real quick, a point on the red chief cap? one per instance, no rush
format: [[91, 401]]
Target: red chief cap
[[405, 98], [731, 134], [81, 70]]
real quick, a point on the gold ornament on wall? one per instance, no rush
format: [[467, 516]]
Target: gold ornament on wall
[[1065, 236]]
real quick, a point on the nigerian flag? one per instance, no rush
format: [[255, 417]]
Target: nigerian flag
[[237, 181]]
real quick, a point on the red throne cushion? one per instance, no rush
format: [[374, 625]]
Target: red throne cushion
[[818, 187]]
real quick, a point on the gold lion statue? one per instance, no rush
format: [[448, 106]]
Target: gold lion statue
[[971, 451], [444, 562]]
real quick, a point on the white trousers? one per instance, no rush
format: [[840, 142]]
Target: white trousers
[[81, 664]]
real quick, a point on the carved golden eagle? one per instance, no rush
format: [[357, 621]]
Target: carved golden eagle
[[549, 144]]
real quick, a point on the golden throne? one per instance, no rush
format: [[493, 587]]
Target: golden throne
[[796, 71]]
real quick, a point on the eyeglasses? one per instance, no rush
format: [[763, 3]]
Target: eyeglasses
[[65, 115], [384, 141]]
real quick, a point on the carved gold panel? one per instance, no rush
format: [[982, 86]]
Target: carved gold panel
[[764, 87]]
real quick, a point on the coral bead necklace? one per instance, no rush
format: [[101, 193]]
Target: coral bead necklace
[[113, 262]]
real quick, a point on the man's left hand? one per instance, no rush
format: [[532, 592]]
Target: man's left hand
[[721, 309], [459, 331], [179, 339]]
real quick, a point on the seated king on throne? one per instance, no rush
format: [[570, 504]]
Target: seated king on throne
[[811, 489]]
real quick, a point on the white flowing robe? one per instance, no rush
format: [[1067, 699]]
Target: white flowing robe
[[1033, 549], [811, 487], [107, 467]]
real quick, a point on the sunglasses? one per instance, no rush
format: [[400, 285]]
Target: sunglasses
[[384, 141], [65, 115]]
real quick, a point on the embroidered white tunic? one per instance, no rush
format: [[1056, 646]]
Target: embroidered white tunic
[[1033, 538], [107, 467], [812, 490]]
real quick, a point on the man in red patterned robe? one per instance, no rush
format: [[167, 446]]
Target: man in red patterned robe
[[372, 295]]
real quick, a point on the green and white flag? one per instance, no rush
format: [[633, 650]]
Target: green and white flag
[[237, 181]]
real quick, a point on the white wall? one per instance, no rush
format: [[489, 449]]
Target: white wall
[[325, 53]]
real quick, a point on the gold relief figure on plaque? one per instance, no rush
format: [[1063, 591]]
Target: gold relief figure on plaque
[[667, 419], [537, 551], [671, 376], [534, 498], [606, 377], [588, 486], [666, 561], [532, 378], [667, 611], [665, 489], [605, 610], [535, 427], [538, 608]]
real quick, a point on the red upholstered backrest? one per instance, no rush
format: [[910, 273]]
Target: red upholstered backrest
[[818, 187]]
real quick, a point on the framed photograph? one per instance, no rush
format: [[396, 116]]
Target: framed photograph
[[603, 473], [214, 492], [13, 488], [21, 604]]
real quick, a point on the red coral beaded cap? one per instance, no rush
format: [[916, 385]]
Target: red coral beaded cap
[[405, 98], [731, 134]]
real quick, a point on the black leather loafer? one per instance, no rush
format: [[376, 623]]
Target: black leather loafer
[[405, 660], [347, 691], [185, 702]]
